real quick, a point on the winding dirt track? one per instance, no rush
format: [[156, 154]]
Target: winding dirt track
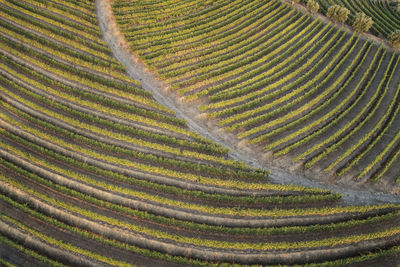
[[241, 151]]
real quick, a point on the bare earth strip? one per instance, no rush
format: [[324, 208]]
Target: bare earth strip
[[250, 154]]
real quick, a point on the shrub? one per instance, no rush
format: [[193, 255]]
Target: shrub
[[295, 2], [394, 38], [362, 23], [338, 13], [313, 6]]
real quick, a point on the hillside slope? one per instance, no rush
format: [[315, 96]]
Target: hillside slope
[[296, 89], [95, 172]]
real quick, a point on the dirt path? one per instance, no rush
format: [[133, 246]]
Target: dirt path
[[208, 128]]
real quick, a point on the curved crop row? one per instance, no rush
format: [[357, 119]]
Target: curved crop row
[[94, 172], [385, 19], [279, 79]]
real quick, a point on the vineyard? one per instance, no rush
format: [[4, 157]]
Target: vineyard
[[95, 172], [302, 89], [386, 18]]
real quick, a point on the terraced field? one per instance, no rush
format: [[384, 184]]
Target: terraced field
[[95, 172], [305, 91]]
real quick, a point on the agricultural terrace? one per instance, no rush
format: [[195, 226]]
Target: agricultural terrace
[[94, 172], [303, 90]]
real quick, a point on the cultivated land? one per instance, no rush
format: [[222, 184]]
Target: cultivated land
[[301, 91], [386, 18], [95, 172]]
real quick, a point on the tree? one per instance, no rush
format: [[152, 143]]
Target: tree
[[338, 13], [362, 23], [343, 14], [313, 6], [394, 38]]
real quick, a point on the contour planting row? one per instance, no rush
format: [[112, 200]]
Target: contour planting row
[[63, 106], [94, 172], [64, 109], [390, 8], [386, 18], [293, 85], [70, 221]]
